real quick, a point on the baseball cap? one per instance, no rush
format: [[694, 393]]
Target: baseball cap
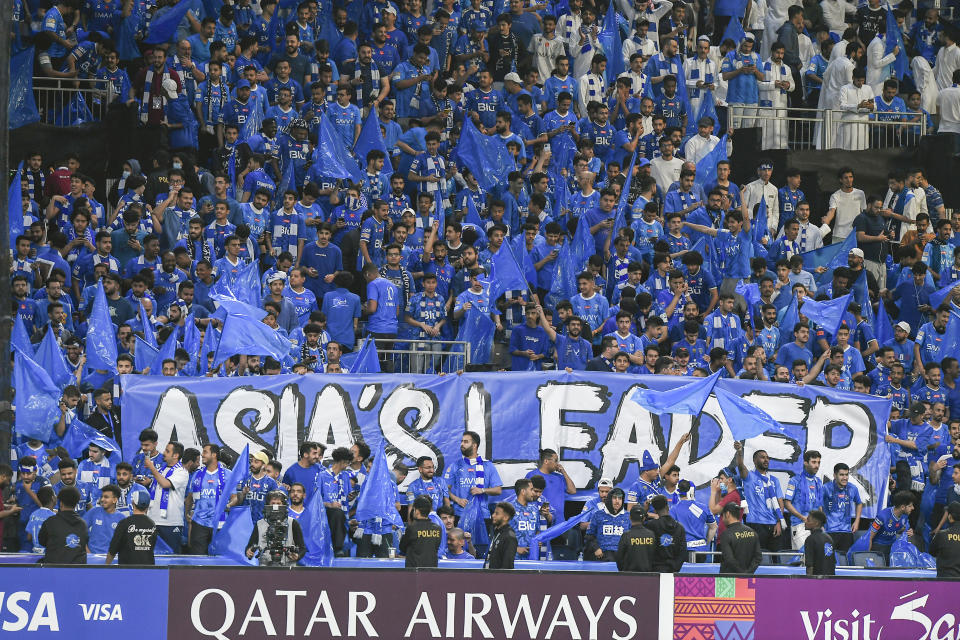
[[243, 83], [261, 456], [141, 500], [681, 351], [856, 252], [169, 86], [605, 482], [513, 77], [904, 326], [642, 162], [390, 9]]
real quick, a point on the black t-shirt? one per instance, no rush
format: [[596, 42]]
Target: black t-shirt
[[870, 21], [872, 226], [819, 554], [945, 547], [134, 540]]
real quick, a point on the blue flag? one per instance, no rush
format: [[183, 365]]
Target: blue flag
[[750, 292], [371, 138], [167, 351], [143, 354], [247, 287], [21, 105], [558, 530], [473, 216], [19, 338], [700, 246], [894, 38], [101, 335], [583, 245], [486, 156], [50, 357], [564, 285], [472, 521], [364, 360], [192, 343], [316, 533], [147, 327], [744, 418], [237, 476], [15, 207], [830, 256], [229, 305], [286, 182], [80, 435], [378, 493], [940, 296], [882, 328], [211, 339], [862, 295], [734, 31], [687, 399], [246, 336], [789, 320], [477, 329], [505, 272], [164, 26], [708, 109], [232, 538], [758, 227], [611, 41], [827, 314], [707, 165], [620, 219], [37, 399], [332, 153]]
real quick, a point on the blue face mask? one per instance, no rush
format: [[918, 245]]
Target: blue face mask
[[178, 165], [125, 175]]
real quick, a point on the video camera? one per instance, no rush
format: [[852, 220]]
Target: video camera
[[275, 543]]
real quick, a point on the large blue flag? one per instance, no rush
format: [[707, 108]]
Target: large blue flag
[[316, 533], [371, 138], [940, 296], [15, 207], [37, 399], [894, 38], [364, 360], [247, 287], [332, 153], [238, 475], [861, 294], [164, 26], [80, 435], [744, 418], [486, 156], [232, 538], [564, 285], [192, 343], [230, 305], [687, 399], [611, 41], [750, 292], [827, 314], [505, 273], [101, 335], [19, 338], [882, 328], [246, 336], [791, 316], [558, 530], [477, 329], [147, 327], [50, 357], [167, 351], [378, 493], [707, 165], [734, 31], [583, 245], [830, 256], [143, 354]]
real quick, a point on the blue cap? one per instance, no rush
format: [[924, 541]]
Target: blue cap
[[243, 83], [648, 462], [141, 500]]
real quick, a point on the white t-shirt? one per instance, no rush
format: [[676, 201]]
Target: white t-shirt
[[665, 172], [174, 516], [848, 206]]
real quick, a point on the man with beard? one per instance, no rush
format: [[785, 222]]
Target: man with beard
[[254, 491], [128, 488], [427, 485], [297, 493], [607, 525], [472, 476], [573, 350], [764, 498]]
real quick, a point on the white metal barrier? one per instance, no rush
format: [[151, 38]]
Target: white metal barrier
[[67, 102]]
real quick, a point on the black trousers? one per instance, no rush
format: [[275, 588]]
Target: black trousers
[[842, 541], [338, 527], [366, 548], [200, 538]]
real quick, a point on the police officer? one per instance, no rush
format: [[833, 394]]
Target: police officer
[[421, 540], [819, 554], [946, 545], [635, 551], [739, 545]]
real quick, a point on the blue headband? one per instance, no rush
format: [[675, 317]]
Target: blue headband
[[28, 469]]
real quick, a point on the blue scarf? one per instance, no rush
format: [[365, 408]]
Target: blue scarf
[[164, 493]]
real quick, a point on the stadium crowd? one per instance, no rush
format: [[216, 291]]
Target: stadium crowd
[[237, 110]]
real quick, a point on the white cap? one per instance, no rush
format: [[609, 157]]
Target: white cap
[[904, 326], [169, 86], [605, 482], [513, 76], [856, 252]]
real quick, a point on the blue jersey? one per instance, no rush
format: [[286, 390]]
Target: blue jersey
[[257, 490], [761, 493], [888, 526], [572, 352], [307, 476], [839, 505], [805, 492], [461, 476], [335, 487], [486, 104], [607, 528], [303, 303], [695, 517], [387, 296], [525, 523], [86, 495], [34, 522], [206, 488], [642, 491], [100, 526], [435, 487]]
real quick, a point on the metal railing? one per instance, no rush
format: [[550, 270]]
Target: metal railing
[[68, 102], [410, 355], [799, 129]]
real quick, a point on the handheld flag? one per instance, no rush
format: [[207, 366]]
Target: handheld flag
[[473, 216], [564, 284], [80, 435], [706, 173], [143, 354], [758, 228], [211, 340], [332, 153], [791, 316], [744, 418], [486, 156], [831, 256], [611, 41], [471, 519], [147, 326], [366, 360], [477, 329], [231, 540], [50, 357], [247, 287], [167, 351], [238, 475], [101, 340], [883, 328], [687, 399], [37, 399], [558, 530], [244, 335], [164, 26], [191, 342], [19, 338], [378, 493], [750, 292], [942, 295], [15, 207], [734, 31], [895, 39], [828, 314], [316, 534], [229, 305], [505, 274], [371, 138]]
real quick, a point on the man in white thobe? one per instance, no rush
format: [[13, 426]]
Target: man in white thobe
[[838, 74], [777, 83], [857, 103], [878, 63]]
